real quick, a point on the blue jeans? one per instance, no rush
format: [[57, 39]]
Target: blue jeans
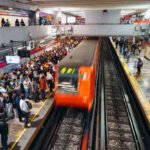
[[27, 93], [43, 94], [18, 91]]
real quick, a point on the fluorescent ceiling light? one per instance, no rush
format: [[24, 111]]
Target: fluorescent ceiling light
[[127, 12], [147, 14]]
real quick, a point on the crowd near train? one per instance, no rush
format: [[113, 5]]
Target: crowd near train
[[33, 81]]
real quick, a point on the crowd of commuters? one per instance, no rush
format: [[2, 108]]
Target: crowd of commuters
[[29, 82], [6, 23], [128, 48], [44, 21]]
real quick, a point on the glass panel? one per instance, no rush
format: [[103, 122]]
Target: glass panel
[[67, 80]]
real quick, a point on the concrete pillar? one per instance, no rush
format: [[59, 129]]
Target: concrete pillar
[[58, 18], [133, 39], [37, 16], [32, 17]]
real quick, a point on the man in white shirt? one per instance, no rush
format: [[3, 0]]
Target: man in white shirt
[[49, 79], [2, 89], [24, 110], [26, 85]]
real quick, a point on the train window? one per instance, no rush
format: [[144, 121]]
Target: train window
[[68, 80]]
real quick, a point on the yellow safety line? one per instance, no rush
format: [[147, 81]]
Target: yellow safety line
[[17, 140]]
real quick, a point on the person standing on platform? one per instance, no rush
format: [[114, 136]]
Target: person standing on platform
[[35, 90], [121, 45], [25, 111], [3, 124], [139, 66], [128, 55], [125, 52], [26, 85], [49, 79], [116, 42], [16, 101], [140, 48], [43, 86]]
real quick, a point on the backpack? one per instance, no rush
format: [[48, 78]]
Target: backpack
[[9, 110], [29, 104]]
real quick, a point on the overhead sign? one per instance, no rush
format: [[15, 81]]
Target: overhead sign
[[13, 59]]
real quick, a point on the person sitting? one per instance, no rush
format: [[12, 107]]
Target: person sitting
[[22, 22], [7, 23], [3, 22], [17, 23]]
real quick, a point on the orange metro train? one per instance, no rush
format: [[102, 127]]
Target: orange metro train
[[76, 76]]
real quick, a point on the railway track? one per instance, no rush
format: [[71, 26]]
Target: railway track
[[69, 135], [63, 130], [119, 126], [119, 131]]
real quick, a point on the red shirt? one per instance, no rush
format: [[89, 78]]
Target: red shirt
[[43, 84]]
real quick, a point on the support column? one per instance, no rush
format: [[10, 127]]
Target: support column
[[34, 17], [133, 39], [37, 16]]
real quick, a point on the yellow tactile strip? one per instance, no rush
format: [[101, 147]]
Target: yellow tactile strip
[[141, 97]]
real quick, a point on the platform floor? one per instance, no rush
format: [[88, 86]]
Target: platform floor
[[20, 136], [144, 79], [141, 84]]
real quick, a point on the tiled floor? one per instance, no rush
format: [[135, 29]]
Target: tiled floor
[[144, 79]]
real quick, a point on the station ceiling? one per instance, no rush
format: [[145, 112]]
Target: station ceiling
[[89, 4]]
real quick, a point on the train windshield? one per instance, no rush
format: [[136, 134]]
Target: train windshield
[[68, 80]]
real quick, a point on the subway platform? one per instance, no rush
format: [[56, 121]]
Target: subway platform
[[141, 83], [19, 137]]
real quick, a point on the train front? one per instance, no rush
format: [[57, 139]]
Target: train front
[[68, 92]]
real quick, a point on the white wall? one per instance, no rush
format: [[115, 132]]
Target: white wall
[[98, 17], [12, 19]]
